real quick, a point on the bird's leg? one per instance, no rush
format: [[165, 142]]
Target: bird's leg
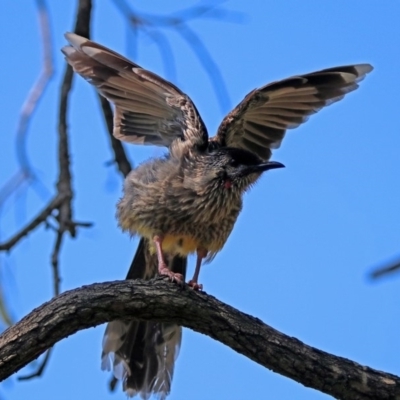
[[201, 253], [162, 266]]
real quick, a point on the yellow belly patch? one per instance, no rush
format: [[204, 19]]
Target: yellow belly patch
[[172, 244], [178, 244], [182, 245]]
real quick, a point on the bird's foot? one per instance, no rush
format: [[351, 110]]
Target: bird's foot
[[195, 285], [173, 276]]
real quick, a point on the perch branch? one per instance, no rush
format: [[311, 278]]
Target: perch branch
[[162, 301]]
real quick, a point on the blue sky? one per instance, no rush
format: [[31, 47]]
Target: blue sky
[[300, 252]]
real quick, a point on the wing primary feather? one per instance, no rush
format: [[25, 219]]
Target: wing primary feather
[[260, 121]]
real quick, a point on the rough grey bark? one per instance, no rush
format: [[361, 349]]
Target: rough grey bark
[[160, 300]]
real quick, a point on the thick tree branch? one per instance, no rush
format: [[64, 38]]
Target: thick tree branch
[[160, 300]]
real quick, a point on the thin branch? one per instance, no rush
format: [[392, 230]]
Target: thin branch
[[120, 157], [36, 221], [151, 24], [139, 23], [11, 186], [25, 173], [213, 12], [24, 177], [211, 67], [82, 27], [54, 263], [385, 270], [38, 88], [64, 185], [202, 10], [38, 373], [165, 49], [165, 302], [62, 200]]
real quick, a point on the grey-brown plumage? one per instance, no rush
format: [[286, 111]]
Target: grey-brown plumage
[[189, 200]]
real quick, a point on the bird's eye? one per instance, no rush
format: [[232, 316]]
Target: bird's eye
[[234, 163]]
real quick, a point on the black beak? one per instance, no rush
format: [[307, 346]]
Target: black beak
[[263, 167]]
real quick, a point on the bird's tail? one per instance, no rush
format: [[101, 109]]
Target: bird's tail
[[142, 354]]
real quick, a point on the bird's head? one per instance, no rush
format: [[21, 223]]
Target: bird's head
[[232, 169]]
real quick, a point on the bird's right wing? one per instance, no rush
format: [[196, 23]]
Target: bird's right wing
[[148, 109]]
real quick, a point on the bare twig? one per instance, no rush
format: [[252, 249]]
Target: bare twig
[[165, 49], [212, 11], [64, 178], [25, 173], [39, 87], [385, 270], [12, 185], [25, 176], [208, 63], [202, 10], [40, 218], [38, 373], [54, 263], [120, 157], [64, 184], [159, 300], [151, 24]]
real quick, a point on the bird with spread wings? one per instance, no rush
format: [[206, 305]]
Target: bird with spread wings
[[188, 201]]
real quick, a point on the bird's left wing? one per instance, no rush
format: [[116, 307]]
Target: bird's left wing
[[259, 122], [148, 109]]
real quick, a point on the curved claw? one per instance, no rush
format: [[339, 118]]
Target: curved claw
[[173, 276], [195, 285]]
